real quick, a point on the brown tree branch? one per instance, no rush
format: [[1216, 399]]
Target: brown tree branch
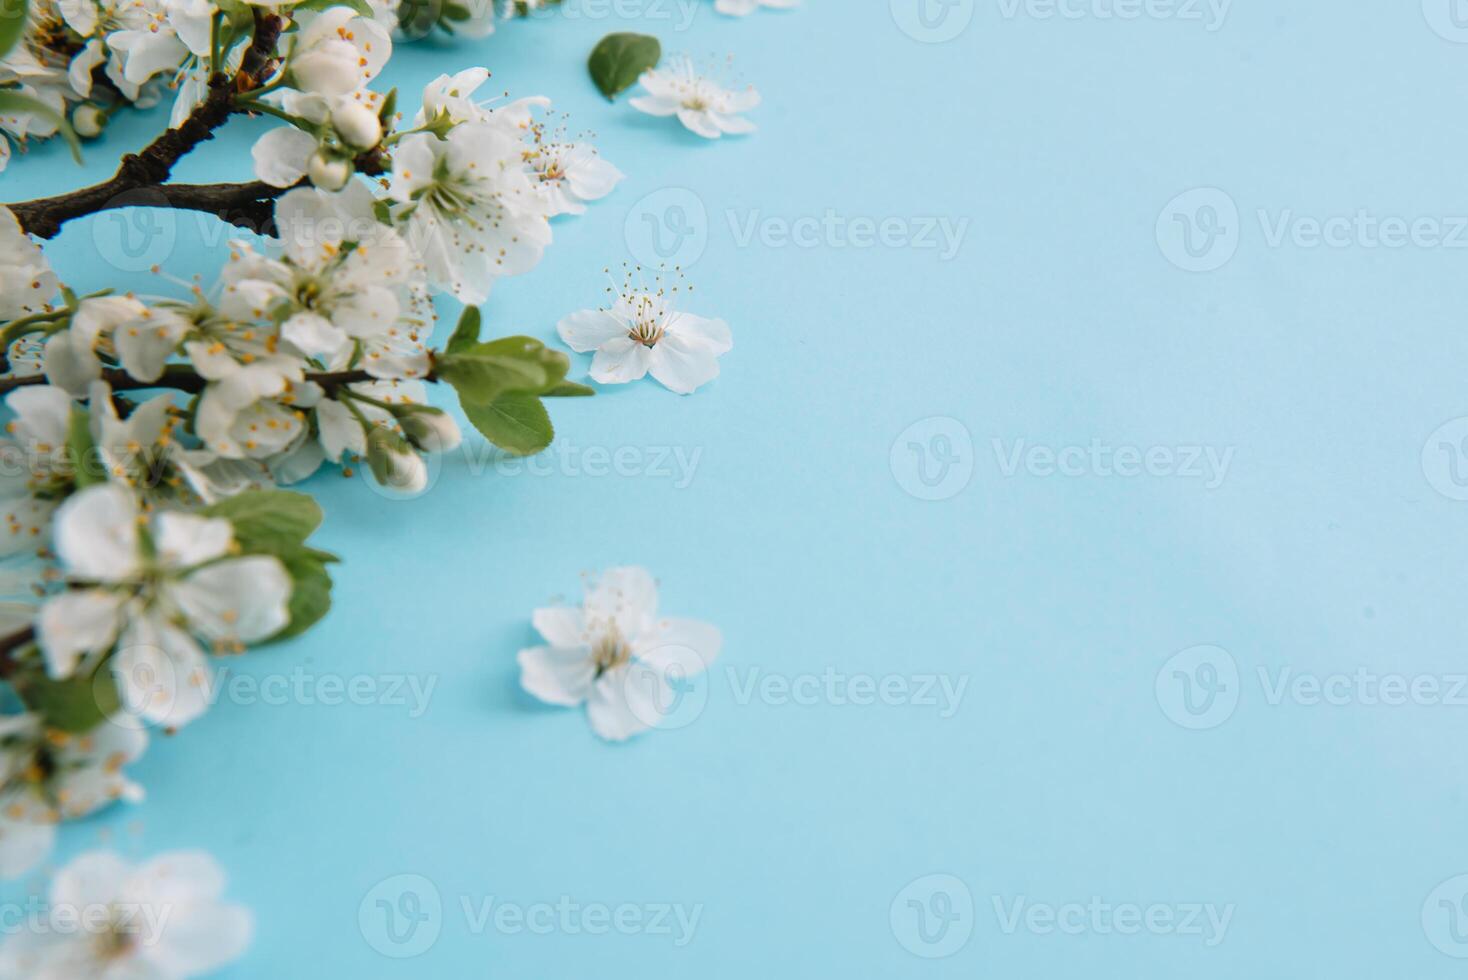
[[150, 168], [182, 377]]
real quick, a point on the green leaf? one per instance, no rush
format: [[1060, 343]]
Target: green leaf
[[517, 423], [528, 349], [268, 521], [466, 334], [311, 594], [77, 704], [82, 451], [18, 103], [480, 377], [12, 24], [570, 389], [360, 6], [620, 59]]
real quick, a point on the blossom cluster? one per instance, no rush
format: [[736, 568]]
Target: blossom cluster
[[144, 526], [82, 60]]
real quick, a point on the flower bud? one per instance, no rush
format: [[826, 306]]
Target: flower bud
[[430, 429], [357, 124], [329, 173], [394, 463], [88, 120]]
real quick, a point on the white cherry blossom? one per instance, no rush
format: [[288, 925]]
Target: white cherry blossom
[[153, 37], [250, 411], [149, 588], [569, 174], [643, 333], [47, 776], [71, 359], [338, 52], [615, 654], [451, 98], [700, 103], [467, 208], [162, 920], [347, 290]]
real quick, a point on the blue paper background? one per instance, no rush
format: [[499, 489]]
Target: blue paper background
[[1058, 600]]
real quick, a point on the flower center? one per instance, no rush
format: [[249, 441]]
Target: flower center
[[646, 332], [116, 941], [308, 291], [610, 651]]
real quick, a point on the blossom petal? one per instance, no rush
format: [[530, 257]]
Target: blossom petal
[[624, 702], [590, 329], [242, 600], [42, 414], [77, 623], [70, 364], [24, 844], [313, 335], [97, 533], [90, 776], [161, 673], [340, 431], [557, 675], [201, 937], [713, 334], [146, 344], [22, 524], [655, 105], [736, 125], [561, 626], [92, 879], [701, 122], [282, 155], [593, 178], [681, 366], [620, 361], [186, 540], [679, 647]]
